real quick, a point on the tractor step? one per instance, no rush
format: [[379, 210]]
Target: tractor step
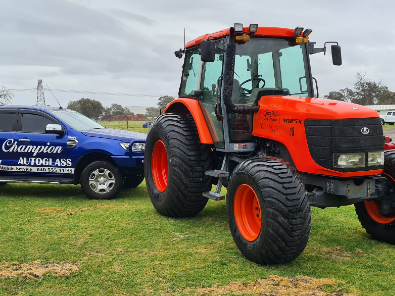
[[217, 173], [214, 195]]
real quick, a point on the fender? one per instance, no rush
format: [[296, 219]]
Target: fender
[[192, 106]]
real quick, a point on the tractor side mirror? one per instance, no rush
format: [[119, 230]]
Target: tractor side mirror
[[336, 55], [207, 51]]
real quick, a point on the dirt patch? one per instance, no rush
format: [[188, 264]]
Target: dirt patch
[[334, 253], [49, 210], [35, 269], [276, 286]]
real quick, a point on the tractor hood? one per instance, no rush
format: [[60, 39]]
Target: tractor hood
[[114, 134], [304, 108]]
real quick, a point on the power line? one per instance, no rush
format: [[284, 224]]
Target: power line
[[91, 92]]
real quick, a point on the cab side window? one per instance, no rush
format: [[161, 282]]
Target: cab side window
[[34, 123], [6, 121], [190, 73]]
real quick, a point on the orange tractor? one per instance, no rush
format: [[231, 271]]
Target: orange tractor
[[247, 118]]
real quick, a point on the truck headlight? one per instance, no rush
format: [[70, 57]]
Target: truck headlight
[[375, 158], [138, 147], [349, 160], [125, 146]]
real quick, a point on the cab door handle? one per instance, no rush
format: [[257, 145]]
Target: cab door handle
[[24, 140]]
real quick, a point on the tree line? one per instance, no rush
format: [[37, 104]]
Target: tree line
[[95, 110], [364, 92]]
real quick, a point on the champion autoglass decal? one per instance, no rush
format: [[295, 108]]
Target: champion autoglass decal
[[36, 164], [11, 146]]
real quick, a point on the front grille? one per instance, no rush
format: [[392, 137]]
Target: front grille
[[328, 136]]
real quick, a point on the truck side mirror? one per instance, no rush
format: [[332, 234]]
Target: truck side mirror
[[336, 55], [207, 51], [54, 129]]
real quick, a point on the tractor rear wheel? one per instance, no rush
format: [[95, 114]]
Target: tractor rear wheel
[[175, 163], [380, 226], [268, 211]]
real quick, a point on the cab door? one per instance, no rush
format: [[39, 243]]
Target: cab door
[[211, 84], [8, 123], [45, 154]]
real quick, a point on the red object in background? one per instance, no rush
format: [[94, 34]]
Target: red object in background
[[388, 145]]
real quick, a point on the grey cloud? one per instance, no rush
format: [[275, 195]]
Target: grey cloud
[[134, 17]]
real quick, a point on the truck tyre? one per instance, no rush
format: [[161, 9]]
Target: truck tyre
[[175, 163], [381, 227], [101, 180], [268, 211], [132, 181], [382, 121]]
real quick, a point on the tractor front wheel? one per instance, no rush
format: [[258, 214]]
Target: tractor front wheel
[[175, 163], [268, 211], [380, 226]]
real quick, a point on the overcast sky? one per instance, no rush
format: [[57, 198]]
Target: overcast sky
[[127, 46]]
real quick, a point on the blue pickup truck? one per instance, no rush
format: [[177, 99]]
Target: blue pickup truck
[[61, 146]]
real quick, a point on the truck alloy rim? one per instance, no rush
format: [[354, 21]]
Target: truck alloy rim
[[373, 210], [160, 166], [247, 212], [101, 181]]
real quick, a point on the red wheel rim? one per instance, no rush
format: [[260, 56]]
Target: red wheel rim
[[160, 166], [373, 210], [248, 213]]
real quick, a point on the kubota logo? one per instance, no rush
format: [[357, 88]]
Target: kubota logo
[[365, 130]]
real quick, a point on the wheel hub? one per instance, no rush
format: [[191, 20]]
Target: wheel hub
[[247, 211], [160, 166], [101, 180]]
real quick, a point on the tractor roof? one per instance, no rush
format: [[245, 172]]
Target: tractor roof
[[262, 31]]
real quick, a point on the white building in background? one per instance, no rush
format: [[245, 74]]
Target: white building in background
[[137, 109], [382, 109]]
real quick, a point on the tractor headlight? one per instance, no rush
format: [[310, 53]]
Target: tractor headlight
[[349, 160], [375, 158], [138, 147]]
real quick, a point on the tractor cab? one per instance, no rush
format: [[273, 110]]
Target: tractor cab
[[230, 71]]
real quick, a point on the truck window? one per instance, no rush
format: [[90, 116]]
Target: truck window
[[34, 123], [6, 121], [389, 113]]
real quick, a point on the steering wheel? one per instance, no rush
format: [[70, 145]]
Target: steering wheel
[[245, 91]]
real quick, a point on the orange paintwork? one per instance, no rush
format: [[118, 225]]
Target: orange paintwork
[[373, 210], [194, 108], [278, 119], [160, 166], [262, 31], [247, 211]]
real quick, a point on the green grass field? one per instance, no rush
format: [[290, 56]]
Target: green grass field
[[135, 126], [124, 247]]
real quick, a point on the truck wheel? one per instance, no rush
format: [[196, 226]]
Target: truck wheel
[[382, 121], [132, 181], [379, 226], [268, 211], [101, 180], [175, 163]]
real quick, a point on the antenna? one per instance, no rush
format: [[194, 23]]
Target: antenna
[[184, 39], [40, 94], [60, 107]]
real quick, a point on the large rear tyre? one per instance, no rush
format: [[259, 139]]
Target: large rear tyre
[[175, 163], [268, 211], [380, 226]]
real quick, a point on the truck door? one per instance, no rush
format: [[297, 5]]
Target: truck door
[[44, 154], [8, 122]]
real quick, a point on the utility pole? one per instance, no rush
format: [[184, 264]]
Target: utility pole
[[5, 96], [40, 94]]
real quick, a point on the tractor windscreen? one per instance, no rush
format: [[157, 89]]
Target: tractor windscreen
[[269, 66]]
